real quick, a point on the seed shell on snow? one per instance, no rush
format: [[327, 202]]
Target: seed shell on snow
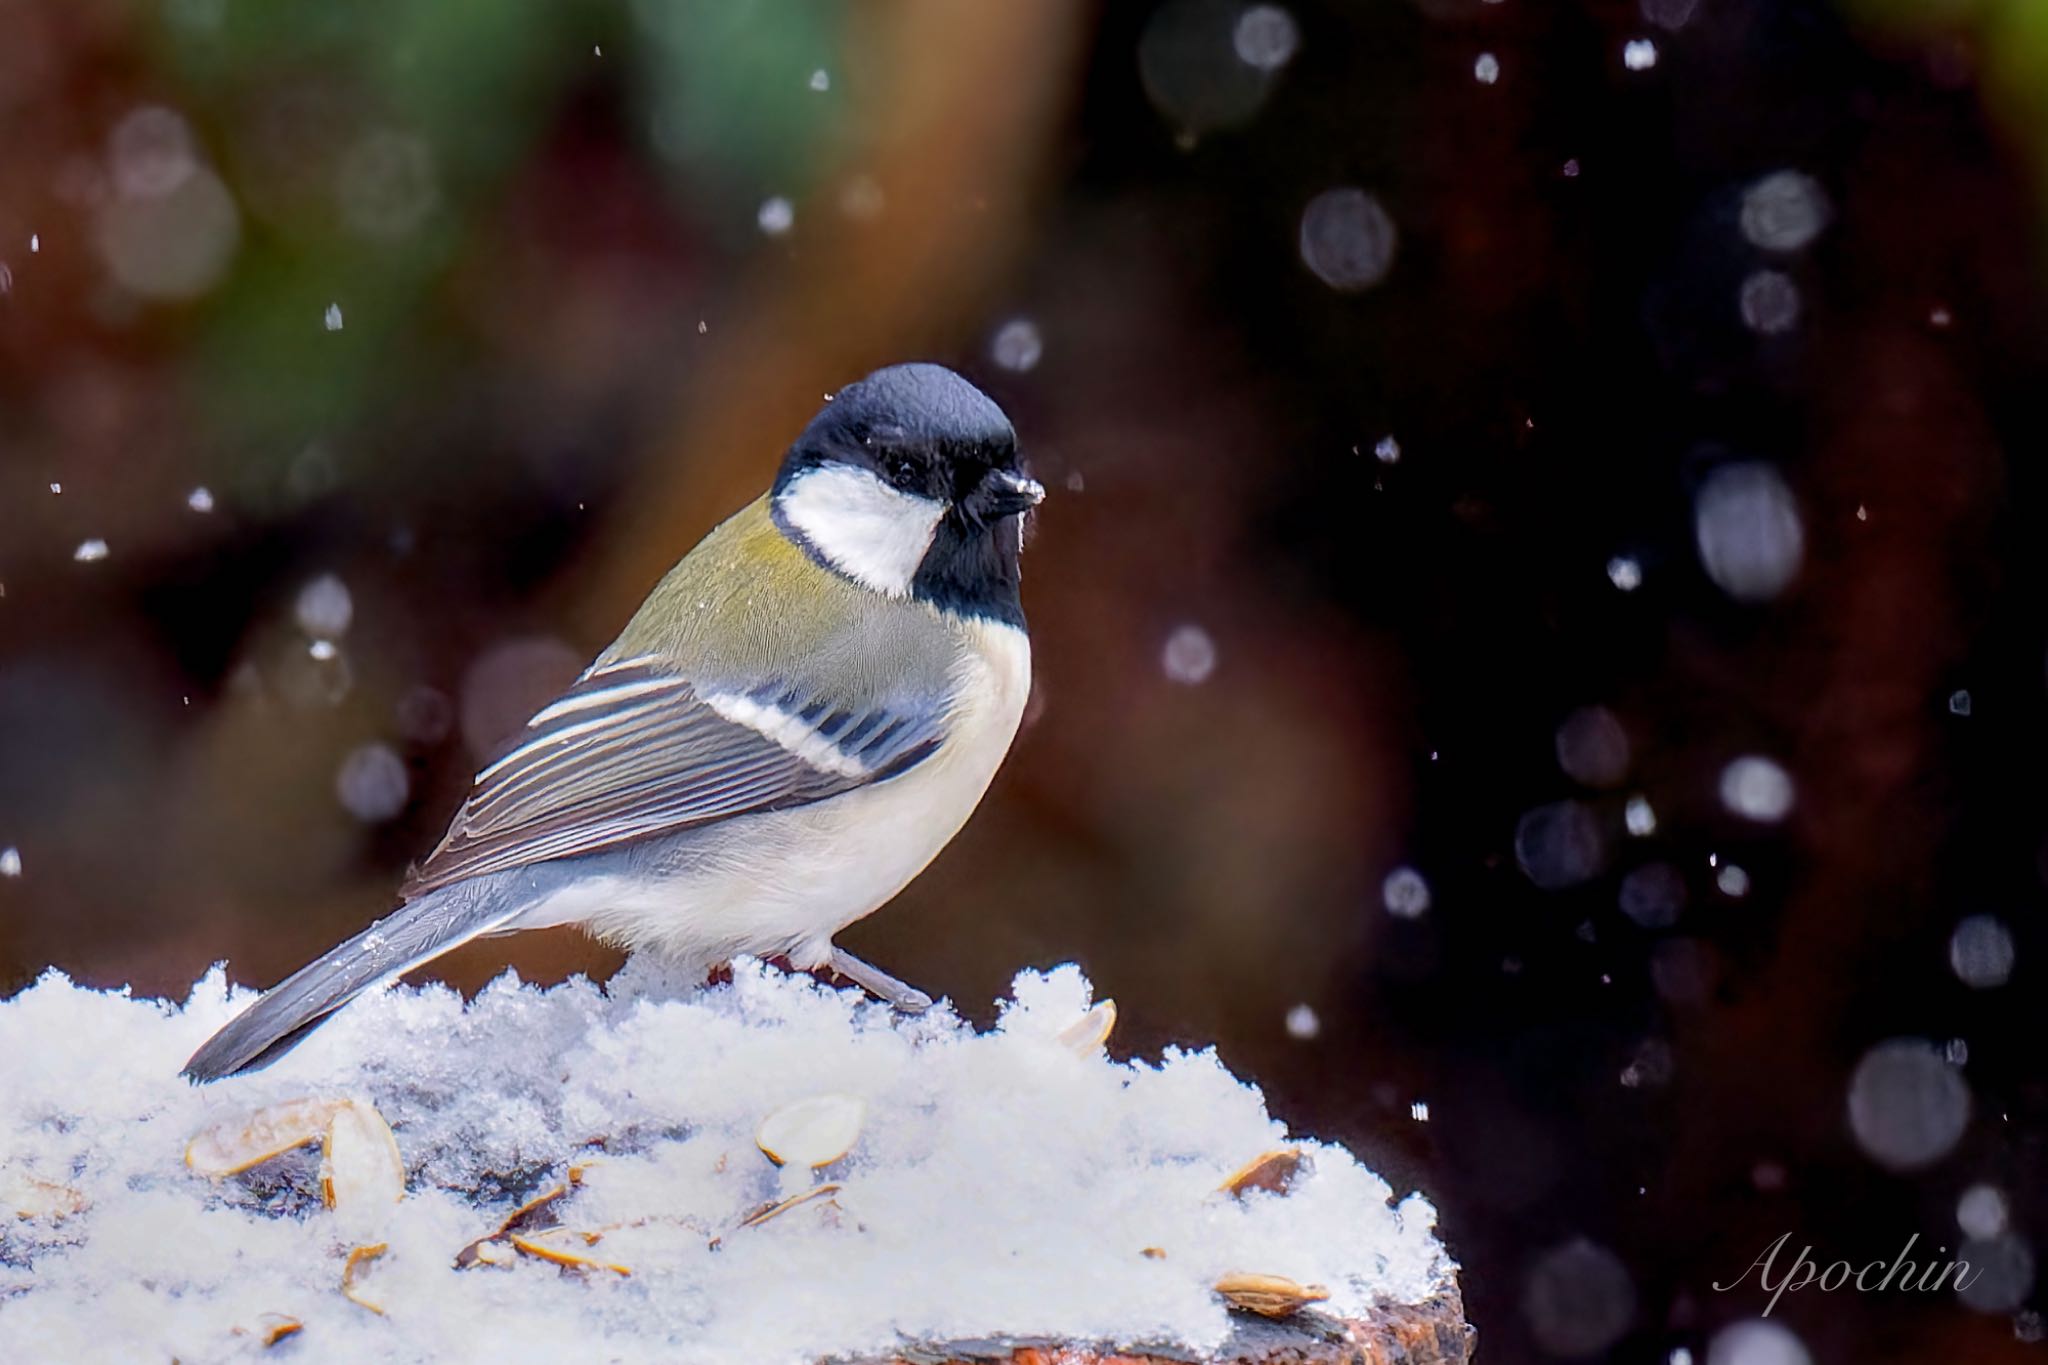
[[1270, 1296], [537, 1212], [30, 1197], [782, 1206], [234, 1145], [1087, 1034], [814, 1132], [1273, 1172], [359, 1257], [559, 1245], [487, 1251], [360, 1167], [275, 1327]]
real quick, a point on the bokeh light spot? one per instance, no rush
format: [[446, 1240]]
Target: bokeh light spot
[[1750, 537], [1189, 656], [1347, 239], [1784, 211], [1561, 845], [1578, 1299], [1756, 788], [372, 783], [1981, 952], [1592, 748], [1405, 893], [1908, 1106]]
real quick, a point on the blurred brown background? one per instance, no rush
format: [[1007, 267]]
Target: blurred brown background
[[1410, 376]]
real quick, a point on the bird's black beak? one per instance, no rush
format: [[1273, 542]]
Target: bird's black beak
[[1005, 492]]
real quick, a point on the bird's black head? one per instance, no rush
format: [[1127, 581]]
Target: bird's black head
[[908, 483]]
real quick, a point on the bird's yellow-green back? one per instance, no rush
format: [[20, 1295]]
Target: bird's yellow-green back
[[748, 599]]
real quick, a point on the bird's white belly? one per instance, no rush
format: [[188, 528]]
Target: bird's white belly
[[787, 881]]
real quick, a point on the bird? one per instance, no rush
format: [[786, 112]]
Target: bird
[[802, 714]]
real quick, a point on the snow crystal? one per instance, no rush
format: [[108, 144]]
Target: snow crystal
[[1003, 1184]]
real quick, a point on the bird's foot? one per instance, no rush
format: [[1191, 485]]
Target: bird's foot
[[901, 996]]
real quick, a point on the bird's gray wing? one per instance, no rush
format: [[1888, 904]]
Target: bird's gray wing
[[635, 750]]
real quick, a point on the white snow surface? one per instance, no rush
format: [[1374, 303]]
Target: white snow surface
[[1002, 1184]]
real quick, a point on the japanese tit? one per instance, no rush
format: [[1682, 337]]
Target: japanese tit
[[801, 715]]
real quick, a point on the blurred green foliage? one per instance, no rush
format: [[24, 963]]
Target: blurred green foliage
[[2008, 39], [718, 97]]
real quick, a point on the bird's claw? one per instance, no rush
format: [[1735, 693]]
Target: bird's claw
[[901, 996]]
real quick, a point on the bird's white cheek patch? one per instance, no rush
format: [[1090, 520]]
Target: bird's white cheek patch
[[872, 533]]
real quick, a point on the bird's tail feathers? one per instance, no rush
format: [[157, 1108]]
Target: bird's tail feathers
[[414, 934]]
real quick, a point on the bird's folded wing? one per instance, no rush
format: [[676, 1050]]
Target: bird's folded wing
[[633, 750]]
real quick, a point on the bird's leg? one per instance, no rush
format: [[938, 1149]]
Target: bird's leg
[[905, 998]]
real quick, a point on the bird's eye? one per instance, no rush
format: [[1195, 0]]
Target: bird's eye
[[900, 469]]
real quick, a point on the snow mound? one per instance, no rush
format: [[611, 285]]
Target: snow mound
[[1008, 1183]]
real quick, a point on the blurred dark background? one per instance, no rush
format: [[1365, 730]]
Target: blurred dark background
[[1540, 624]]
